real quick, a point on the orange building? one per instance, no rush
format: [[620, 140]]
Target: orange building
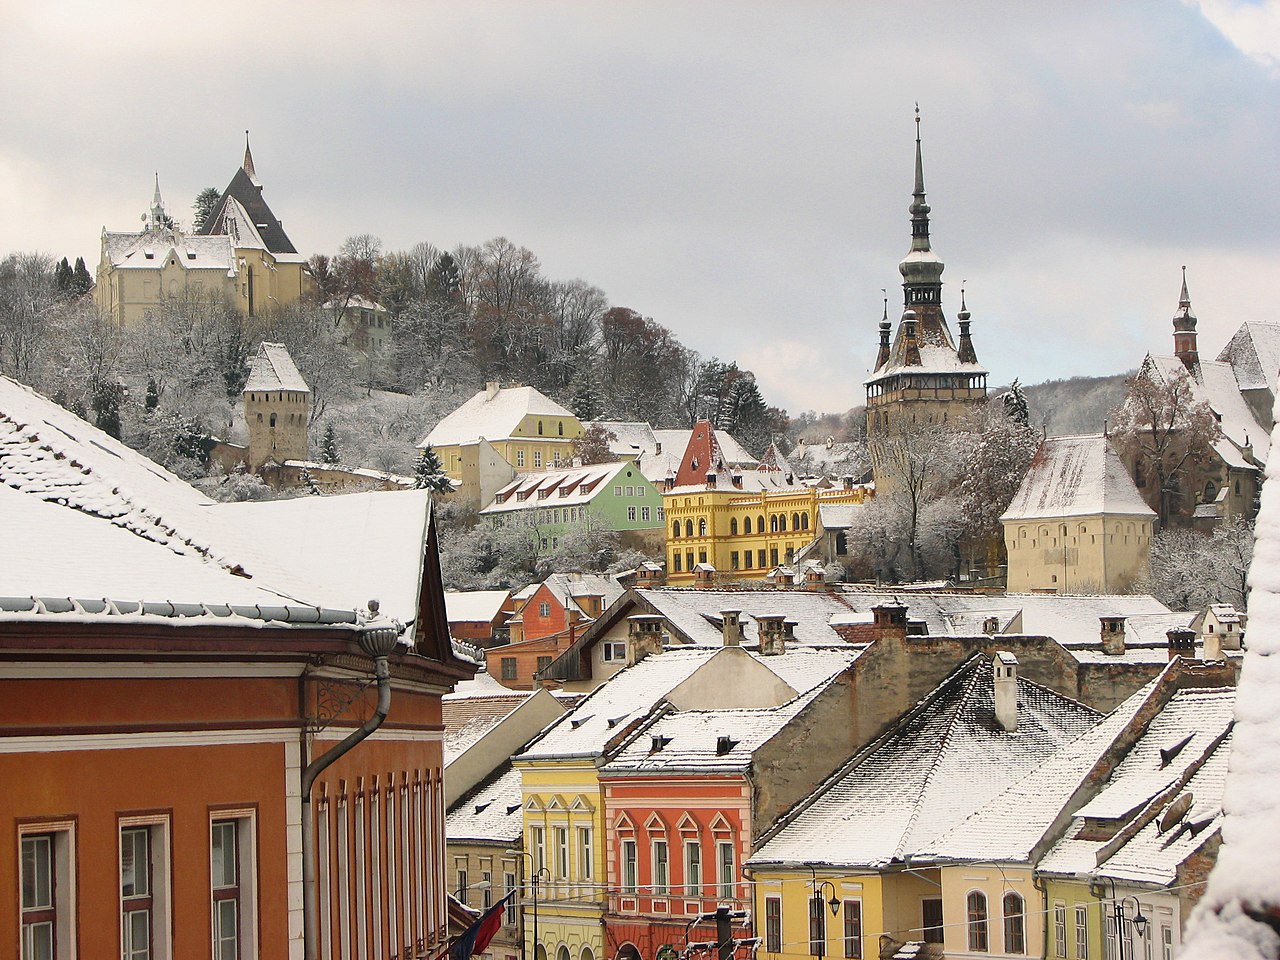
[[164, 760]]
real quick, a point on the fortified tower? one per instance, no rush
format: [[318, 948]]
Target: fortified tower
[[277, 408], [922, 377]]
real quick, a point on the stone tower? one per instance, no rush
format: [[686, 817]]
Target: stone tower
[[277, 408], [1184, 331], [922, 376]]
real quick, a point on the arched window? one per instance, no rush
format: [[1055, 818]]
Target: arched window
[[1210, 491], [562, 953], [977, 921], [804, 521], [760, 524], [1015, 933], [675, 529], [586, 954], [773, 523], [540, 952], [746, 525], [842, 544], [273, 420], [702, 526], [688, 528], [565, 949], [795, 521], [560, 430], [259, 418], [733, 526]]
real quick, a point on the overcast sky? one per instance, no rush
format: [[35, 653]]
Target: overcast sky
[[740, 172]]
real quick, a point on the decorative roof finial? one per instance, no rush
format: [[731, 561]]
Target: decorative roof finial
[[919, 209], [964, 311], [1185, 299], [248, 159], [885, 318]]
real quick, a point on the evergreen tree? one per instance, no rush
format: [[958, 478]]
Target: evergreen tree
[[63, 274], [106, 400], [445, 279], [586, 402], [329, 446], [428, 472], [206, 206], [153, 396], [309, 482], [1015, 405], [81, 282]]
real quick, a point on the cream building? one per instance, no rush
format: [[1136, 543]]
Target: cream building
[[241, 254], [1077, 524]]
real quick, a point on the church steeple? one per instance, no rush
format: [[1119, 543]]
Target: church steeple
[[919, 208], [1184, 329], [156, 218], [247, 166], [921, 269]]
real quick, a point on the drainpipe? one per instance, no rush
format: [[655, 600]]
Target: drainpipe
[[377, 642]]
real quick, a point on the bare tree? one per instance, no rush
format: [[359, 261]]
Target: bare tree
[[1190, 569], [1165, 431]]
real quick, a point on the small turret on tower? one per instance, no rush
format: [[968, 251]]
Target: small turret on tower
[[247, 166], [156, 217], [965, 352], [882, 357], [1184, 330]]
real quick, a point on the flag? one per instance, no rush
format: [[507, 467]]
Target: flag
[[477, 936]]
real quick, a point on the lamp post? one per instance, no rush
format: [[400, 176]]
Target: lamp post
[[535, 877], [1118, 917]]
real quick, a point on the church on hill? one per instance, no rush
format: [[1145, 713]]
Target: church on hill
[[241, 253], [923, 377]]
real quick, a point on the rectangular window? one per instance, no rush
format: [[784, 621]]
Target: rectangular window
[[519, 458], [486, 889], [1166, 938], [508, 888], [232, 887], [853, 929], [817, 927], [463, 893], [629, 867], [617, 491], [615, 651], [1059, 929], [1082, 933], [646, 514], [773, 556], [702, 556], [762, 557], [692, 868], [561, 835], [543, 663], [537, 458], [42, 888], [661, 885], [1108, 935], [661, 514], [585, 869], [747, 556], [733, 560], [725, 865], [676, 562], [544, 609], [631, 491], [631, 513], [537, 842], [773, 924], [688, 559], [144, 887], [508, 668], [931, 917]]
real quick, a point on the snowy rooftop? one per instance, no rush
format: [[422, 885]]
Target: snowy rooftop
[[555, 488], [575, 584], [1076, 477], [468, 718], [152, 248], [630, 439], [897, 796], [1254, 353], [474, 606], [696, 613], [273, 369], [491, 812], [1217, 386], [100, 520], [493, 418]]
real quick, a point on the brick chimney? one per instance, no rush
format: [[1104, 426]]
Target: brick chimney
[[1112, 635], [650, 575], [731, 627], [704, 576], [1004, 681], [889, 619], [775, 632], [782, 577], [644, 636], [815, 578], [1182, 643]]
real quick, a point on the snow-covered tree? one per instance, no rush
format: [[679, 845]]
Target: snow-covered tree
[[593, 445], [429, 473], [1190, 569], [329, 445], [1015, 405], [309, 482], [205, 206]]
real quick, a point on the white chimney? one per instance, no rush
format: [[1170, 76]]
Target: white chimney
[[1004, 673], [491, 389], [731, 627]]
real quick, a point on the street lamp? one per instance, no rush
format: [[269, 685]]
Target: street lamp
[[1118, 917], [820, 888], [461, 895], [536, 875]]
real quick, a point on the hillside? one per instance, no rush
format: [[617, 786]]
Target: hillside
[[1075, 406]]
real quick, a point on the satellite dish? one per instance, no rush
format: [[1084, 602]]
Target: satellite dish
[[1177, 810]]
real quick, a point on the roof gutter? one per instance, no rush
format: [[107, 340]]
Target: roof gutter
[[378, 642]]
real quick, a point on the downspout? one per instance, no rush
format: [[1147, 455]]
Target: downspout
[[378, 642]]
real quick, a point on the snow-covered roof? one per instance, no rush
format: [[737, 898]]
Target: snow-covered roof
[[354, 301], [695, 613], [630, 439], [492, 812], [151, 249], [1076, 477], [575, 584], [625, 698], [272, 368], [474, 606], [574, 486], [1254, 354], [100, 520], [468, 718], [897, 796], [838, 516], [493, 418]]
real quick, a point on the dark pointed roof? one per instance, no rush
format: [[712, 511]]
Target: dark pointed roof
[[245, 190]]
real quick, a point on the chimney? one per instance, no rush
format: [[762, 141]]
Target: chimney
[[704, 576], [1182, 643], [775, 632], [644, 636], [1004, 674], [650, 575], [815, 578], [731, 627], [991, 626], [889, 619], [1112, 635], [782, 577], [1212, 647], [491, 389]]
